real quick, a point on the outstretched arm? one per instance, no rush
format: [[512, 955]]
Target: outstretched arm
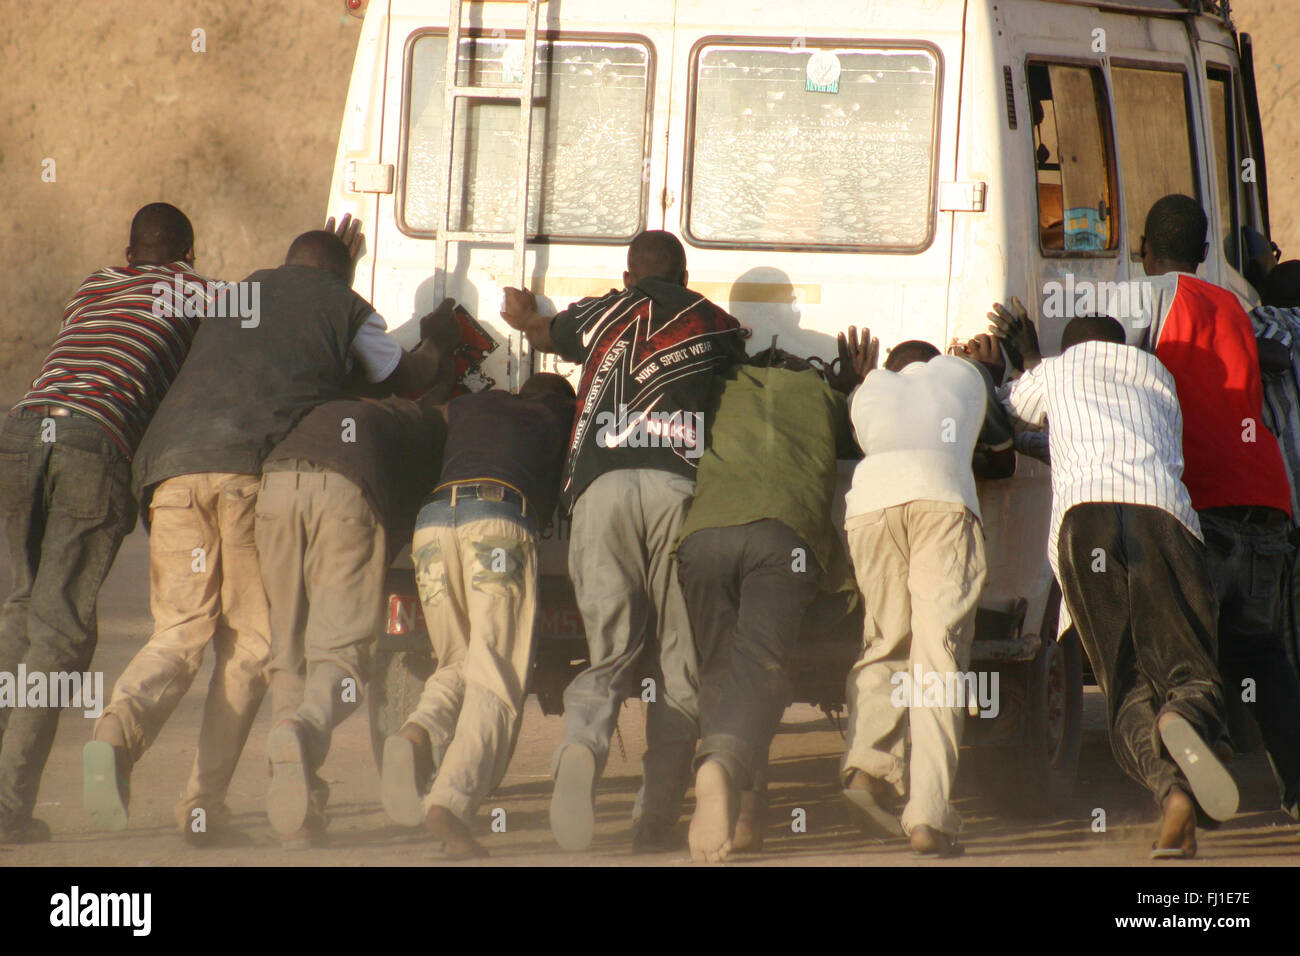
[[520, 313]]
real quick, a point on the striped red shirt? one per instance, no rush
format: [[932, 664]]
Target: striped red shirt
[[123, 339]]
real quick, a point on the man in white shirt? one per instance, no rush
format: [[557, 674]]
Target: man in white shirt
[[914, 534], [1126, 546]]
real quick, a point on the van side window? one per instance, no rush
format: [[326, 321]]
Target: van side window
[[589, 142], [1155, 144], [1073, 159], [799, 145], [1223, 120]]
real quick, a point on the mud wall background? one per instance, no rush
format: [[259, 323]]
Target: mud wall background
[[242, 136]]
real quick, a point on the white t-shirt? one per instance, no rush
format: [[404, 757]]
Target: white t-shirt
[[1115, 430], [917, 429], [376, 350]]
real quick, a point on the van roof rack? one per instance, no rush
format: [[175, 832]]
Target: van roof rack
[[1173, 8]]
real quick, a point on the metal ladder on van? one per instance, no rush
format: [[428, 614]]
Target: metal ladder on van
[[523, 94]]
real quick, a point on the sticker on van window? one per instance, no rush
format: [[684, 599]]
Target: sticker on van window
[[823, 73]]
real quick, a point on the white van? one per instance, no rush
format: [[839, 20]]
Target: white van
[[893, 165]]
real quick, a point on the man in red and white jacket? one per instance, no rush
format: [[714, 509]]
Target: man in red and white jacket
[[1234, 469]]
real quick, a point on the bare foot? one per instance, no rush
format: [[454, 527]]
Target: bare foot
[[716, 807], [457, 840], [1177, 827], [748, 835]]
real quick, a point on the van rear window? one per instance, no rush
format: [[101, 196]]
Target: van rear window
[[1152, 107], [588, 148], [796, 144]]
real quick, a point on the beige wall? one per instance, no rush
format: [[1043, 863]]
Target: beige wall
[[242, 136]]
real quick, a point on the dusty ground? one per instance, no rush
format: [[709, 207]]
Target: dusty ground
[[242, 136], [805, 759]]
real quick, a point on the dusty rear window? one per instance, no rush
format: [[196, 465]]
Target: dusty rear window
[[588, 151], [804, 145]]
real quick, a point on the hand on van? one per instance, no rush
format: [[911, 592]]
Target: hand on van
[[1013, 326], [857, 357], [986, 350], [349, 230], [441, 327], [519, 309]]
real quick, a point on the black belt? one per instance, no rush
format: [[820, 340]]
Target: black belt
[[1251, 514], [479, 491]]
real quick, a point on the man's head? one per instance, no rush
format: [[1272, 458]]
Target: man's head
[[320, 249], [1174, 240], [905, 353], [1282, 287], [1092, 328], [655, 254], [547, 383], [160, 233]]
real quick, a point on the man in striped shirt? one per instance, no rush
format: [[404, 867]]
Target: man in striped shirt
[[1125, 545], [65, 477]]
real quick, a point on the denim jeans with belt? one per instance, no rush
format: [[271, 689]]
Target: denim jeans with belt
[[1246, 561], [65, 495], [476, 571]]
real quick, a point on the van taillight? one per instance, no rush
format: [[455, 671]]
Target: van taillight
[[403, 614]]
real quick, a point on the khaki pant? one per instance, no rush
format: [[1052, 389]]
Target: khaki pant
[[476, 570], [920, 567], [323, 557], [205, 587]]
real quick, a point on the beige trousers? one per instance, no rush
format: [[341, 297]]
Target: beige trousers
[[920, 567], [205, 587], [477, 578], [323, 557]]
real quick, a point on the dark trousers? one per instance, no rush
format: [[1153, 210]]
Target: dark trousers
[[1246, 562], [65, 496], [746, 590], [1138, 589]]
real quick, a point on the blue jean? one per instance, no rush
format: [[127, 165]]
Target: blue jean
[[476, 571], [1246, 562]]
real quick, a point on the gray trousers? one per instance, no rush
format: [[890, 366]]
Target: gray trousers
[[66, 504], [625, 525]]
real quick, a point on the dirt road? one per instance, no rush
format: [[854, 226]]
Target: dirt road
[[804, 765]]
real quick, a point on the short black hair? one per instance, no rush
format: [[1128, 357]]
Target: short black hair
[[161, 232], [1282, 287], [905, 353], [321, 249], [1176, 228], [548, 383], [1093, 328], [656, 254]]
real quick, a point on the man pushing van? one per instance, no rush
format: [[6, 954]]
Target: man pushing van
[[649, 353]]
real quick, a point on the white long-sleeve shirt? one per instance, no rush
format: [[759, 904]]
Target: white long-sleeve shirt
[[1114, 430]]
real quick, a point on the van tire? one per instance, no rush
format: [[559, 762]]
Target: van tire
[[396, 681], [1036, 777]]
